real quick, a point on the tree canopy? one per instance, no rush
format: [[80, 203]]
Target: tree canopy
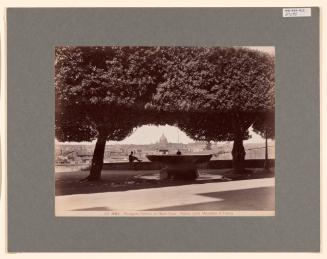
[[96, 84], [208, 127], [218, 79]]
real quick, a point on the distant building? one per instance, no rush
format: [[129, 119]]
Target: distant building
[[163, 140]]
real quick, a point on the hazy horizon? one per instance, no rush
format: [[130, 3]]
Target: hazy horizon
[[150, 134]]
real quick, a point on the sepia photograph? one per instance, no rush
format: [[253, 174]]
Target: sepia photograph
[[164, 131]]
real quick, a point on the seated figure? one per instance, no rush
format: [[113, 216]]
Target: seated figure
[[133, 158]]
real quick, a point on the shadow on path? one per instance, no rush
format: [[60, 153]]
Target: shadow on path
[[261, 198], [68, 183]]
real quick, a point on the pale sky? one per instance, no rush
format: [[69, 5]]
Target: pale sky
[[150, 134]]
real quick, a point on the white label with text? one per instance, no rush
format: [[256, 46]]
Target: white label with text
[[296, 12]]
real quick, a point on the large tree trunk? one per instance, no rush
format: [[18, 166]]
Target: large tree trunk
[[238, 154], [238, 151], [97, 160]]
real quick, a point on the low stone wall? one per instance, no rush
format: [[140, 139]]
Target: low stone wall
[[250, 163], [213, 164]]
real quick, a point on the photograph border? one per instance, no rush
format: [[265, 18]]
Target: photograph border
[[31, 35]]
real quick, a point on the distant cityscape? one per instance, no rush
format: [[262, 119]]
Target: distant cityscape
[[68, 154]]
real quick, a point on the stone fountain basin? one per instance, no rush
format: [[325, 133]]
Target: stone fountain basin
[[178, 159], [179, 167]]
